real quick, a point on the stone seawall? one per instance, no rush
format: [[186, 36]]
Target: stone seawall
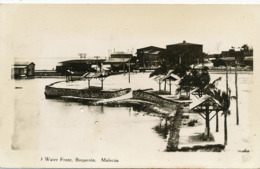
[[83, 93], [175, 122], [203, 148], [174, 135], [142, 95]]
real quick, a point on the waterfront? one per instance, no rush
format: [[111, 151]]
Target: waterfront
[[57, 125]]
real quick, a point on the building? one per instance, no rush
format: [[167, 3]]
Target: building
[[119, 61], [23, 70], [121, 55], [249, 61], [79, 66], [183, 54], [149, 57], [46, 73]]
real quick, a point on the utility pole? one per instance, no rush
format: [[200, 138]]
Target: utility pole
[[236, 86], [236, 62], [129, 71]]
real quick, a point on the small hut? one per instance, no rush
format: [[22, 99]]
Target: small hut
[[95, 75], [204, 107]]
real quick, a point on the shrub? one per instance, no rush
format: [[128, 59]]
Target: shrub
[[191, 123]]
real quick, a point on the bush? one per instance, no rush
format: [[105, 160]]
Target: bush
[[191, 123]]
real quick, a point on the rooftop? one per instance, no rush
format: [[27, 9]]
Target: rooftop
[[121, 53], [117, 60], [151, 47], [184, 43], [83, 61], [22, 63]]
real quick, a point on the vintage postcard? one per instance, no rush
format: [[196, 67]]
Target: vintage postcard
[[129, 85]]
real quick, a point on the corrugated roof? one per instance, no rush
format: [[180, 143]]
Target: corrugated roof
[[117, 60]]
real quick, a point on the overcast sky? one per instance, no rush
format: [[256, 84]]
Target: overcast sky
[[47, 34]]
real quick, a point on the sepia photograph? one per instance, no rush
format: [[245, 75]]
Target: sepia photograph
[[129, 85]]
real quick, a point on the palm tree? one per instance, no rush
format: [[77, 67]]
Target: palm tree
[[225, 103], [224, 98], [186, 84], [209, 89]]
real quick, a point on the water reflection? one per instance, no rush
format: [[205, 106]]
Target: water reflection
[[50, 124], [162, 129]]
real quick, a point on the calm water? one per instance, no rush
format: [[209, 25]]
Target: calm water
[[58, 125], [48, 124]]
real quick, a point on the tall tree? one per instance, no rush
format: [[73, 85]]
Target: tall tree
[[224, 99]]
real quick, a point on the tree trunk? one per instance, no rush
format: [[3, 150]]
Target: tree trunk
[[236, 95], [225, 129], [165, 84]]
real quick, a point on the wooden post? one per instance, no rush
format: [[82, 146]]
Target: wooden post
[[170, 85], [217, 121], [207, 121], [129, 69], [102, 83], [88, 82]]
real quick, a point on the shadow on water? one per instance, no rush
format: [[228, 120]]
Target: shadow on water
[[162, 129]]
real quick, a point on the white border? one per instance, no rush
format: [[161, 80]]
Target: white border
[[131, 1]]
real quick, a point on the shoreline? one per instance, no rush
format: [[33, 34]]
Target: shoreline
[[171, 114]]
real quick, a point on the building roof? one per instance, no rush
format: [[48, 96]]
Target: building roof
[[22, 63], [87, 61], [202, 100], [184, 43], [151, 50], [151, 47], [120, 53], [117, 60], [91, 75], [169, 76]]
